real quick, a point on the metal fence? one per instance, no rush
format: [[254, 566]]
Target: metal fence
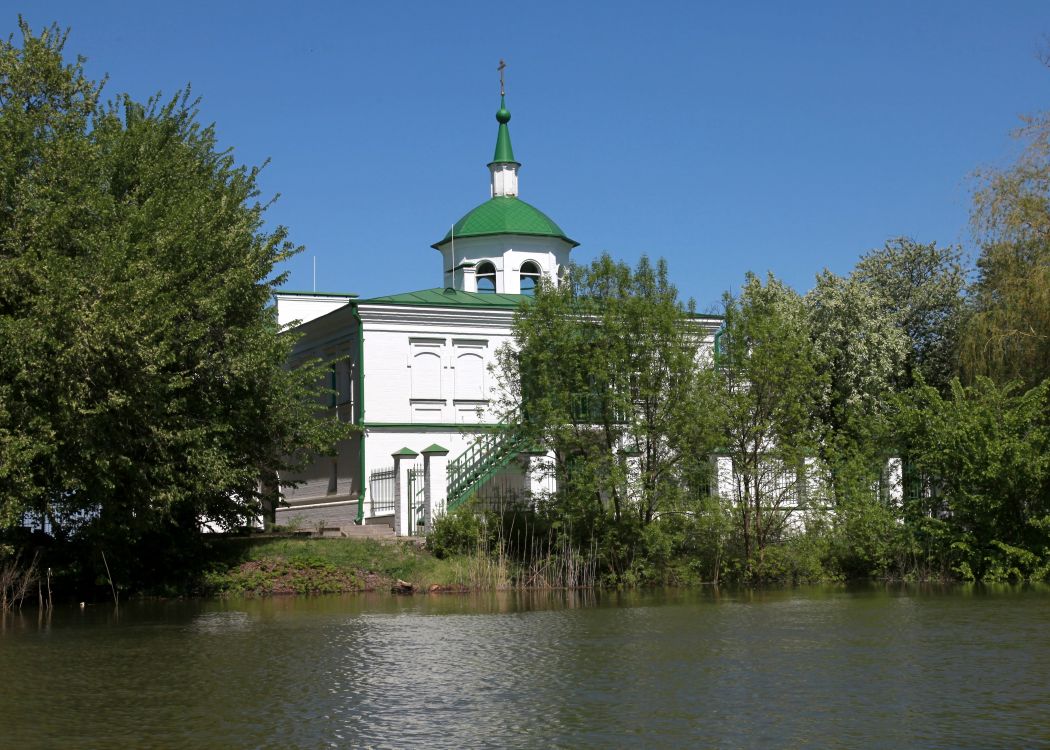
[[504, 492], [382, 487], [416, 500]]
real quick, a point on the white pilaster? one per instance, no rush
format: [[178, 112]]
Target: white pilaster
[[467, 277], [402, 463], [435, 478]]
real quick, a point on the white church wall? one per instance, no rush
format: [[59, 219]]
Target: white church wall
[[431, 366], [327, 478], [382, 442], [506, 253]]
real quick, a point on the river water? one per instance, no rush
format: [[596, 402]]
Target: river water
[[872, 667]]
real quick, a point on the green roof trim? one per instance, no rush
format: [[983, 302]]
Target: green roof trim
[[435, 449], [448, 298], [405, 453], [348, 295], [504, 154], [505, 215]]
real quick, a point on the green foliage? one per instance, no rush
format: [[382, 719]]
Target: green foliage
[[457, 533], [770, 383], [143, 386], [685, 547], [920, 288], [276, 575], [265, 565], [803, 558], [985, 454], [860, 347], [866, 537], [604, 368], [1008, 333]]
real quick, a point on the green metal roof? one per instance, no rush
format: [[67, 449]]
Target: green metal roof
[[448, 298], [505, 215], [504, 153], [315, 294]]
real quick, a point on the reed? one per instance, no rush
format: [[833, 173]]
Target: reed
[[16, 579]]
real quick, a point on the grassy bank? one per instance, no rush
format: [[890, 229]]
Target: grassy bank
[[262, 566]]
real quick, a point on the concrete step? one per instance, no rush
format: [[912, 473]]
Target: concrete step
[[377, 531]]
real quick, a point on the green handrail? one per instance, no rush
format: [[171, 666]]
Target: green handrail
[[494, 450], [480, 461]]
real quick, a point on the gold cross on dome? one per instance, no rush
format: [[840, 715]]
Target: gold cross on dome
[[500, 68]]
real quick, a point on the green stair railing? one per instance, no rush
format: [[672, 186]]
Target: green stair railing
[[480, 462]]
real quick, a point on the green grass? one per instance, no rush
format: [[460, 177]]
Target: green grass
[[268, 565]]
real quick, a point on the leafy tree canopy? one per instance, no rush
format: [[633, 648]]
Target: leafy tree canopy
[[922, 287], [770, 382], [985, 453], [604, 366], [862, 348], [143, 377]]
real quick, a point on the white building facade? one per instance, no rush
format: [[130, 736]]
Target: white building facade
[[411, 370]]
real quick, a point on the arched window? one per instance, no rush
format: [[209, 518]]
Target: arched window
[[530, 277], [486, 278]]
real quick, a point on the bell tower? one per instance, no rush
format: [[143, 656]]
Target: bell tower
[[505, 245]]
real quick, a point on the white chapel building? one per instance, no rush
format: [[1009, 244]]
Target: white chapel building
[[411, 371]]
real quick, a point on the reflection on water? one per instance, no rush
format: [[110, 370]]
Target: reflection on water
[[868, 666]]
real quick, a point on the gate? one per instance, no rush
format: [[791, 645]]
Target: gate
[[416, 501]]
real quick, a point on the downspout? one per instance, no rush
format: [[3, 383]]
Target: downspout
[[360, 412]]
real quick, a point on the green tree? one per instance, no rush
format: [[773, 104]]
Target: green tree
[[143, 384], [921, 286], [1008, 333], [770, 384], [985, 454], [893, 321], [861, 347], [605, 368]]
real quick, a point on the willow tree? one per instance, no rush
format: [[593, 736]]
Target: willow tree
[[143, 384], [1008, 335]]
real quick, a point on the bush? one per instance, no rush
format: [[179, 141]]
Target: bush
[[799, 559], [456, 533]]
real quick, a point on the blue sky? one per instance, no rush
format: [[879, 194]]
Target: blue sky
[[783, 137]]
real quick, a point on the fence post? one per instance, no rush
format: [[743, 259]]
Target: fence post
[[435, 483], [402, 461]]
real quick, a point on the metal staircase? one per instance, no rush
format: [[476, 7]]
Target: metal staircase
[[480, 462]]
